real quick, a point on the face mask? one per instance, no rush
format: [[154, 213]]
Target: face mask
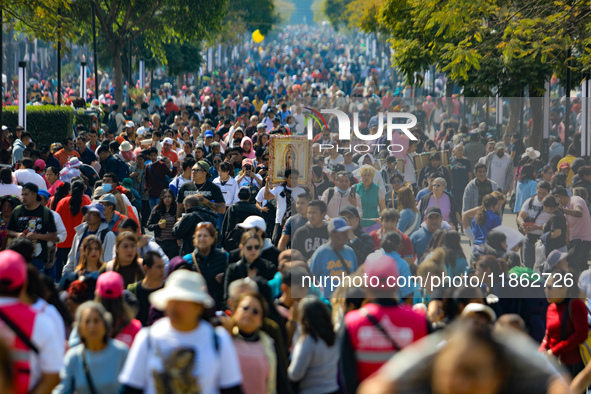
[[341, 191], [500, 154], [107, 187]]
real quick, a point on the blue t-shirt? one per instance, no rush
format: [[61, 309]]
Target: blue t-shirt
[[420, 240], [421, 193], [481, 231], [325, 263]]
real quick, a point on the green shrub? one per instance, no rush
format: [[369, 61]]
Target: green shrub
[[47, 123]]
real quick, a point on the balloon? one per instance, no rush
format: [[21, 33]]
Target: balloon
[[257, 36]]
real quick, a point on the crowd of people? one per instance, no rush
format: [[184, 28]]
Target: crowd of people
[[152, 254]]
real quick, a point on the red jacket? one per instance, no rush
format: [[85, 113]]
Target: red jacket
[[577, 330], [70, 222]]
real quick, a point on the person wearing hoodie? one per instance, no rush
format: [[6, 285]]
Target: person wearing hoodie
[[247, 148], [18, 147], [94, 223]]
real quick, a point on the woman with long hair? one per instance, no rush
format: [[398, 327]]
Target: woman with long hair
[[109, 293], [161, 222], [90, 257], [455, 263], [486, 219], [61, 192], [127, 261], [262, 141], [93, 366], [315, 355], [209, 261], [255, 349], [526, 186], [52, 179], [69, 208], [250, 264], [410, 220]]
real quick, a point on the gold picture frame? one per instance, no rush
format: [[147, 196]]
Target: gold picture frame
[[289, 152]]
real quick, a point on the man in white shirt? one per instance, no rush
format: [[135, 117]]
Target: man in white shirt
[[500, 168], [531, 220], [27, 174], [284, 203], [410, 175]]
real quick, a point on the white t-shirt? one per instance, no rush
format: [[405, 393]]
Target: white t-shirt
[[215, 369], [498, 169], [536, 207], [30, 176], [282, 200], [10, 189], [51, 347], [229, 190], [410, 174]]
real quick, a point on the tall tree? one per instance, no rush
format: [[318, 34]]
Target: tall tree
[[157, 21], [39, 18]]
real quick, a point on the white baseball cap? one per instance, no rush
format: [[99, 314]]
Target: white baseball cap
[[254, 222], [167, 140]]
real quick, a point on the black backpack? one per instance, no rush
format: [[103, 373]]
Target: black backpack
[[232, 239], [112, 122]]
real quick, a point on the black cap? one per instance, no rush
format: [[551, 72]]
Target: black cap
[[432, 210], [338, 167], [351, 210]]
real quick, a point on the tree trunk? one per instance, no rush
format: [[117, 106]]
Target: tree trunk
[[513, 124], [537, 115], [118, 71], [180, 81], [449, 89]]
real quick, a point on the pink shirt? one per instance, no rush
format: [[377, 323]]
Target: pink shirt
[[444, 204], [579, 228], [254, 365], [129, 332]]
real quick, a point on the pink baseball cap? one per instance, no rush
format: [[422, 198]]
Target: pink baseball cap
[[13, 269], [40, 164], [110, 285], [381, 266]]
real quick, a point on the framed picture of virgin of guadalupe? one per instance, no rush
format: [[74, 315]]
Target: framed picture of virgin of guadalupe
[[288, 152]]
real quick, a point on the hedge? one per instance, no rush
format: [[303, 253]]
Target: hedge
[[47, 123]]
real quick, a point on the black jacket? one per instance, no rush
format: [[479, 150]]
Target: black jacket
[[237, 213], [362, 245], [184, 229], [454, 207], [153, 220], [209, 266], [239, 270]]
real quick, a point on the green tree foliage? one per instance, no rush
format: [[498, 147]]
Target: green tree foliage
[[38, 18], [488, 47], [156, 22]]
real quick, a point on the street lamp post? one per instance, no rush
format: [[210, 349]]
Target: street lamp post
[[96, 77]]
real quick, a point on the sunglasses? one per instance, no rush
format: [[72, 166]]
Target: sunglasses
[[197, 169], [217, 162], [251, 247], [397, 181], [204, 224], [254, 311]]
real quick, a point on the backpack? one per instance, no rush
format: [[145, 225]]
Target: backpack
[[232, 239], [112, 122], [122, 169]]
